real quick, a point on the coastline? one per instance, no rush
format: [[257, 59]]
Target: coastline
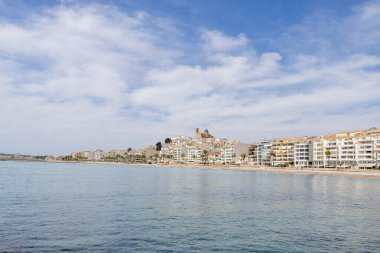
[[363, 173], [316, 171]]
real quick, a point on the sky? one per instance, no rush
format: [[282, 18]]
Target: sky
[[84, 75]]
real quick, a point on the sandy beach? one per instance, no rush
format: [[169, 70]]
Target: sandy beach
[[318, 171], [321, 171]]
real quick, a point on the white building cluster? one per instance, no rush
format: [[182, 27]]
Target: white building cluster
[[203, 148], [94, 155], [350, 149]]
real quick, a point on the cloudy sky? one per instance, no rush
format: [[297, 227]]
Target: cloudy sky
[[79, 75]]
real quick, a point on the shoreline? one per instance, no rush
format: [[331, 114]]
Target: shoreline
[[363, 173], [313, 171]]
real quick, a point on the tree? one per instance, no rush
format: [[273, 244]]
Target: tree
[[328, 154], [233, 157], [168, 141], [272, 155], [204, 156], [143, 157], [129, 150], [118, 157], [158, 146], [243, 156]]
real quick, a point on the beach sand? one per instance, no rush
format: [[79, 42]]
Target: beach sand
[[318, 171]]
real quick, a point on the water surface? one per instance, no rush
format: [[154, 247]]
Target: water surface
[[48, 207]]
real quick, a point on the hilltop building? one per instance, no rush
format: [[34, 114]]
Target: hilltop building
[[202, 135]]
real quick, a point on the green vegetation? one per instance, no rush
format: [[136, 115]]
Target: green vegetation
[[328, 154], [204, 156], [158, 146], [243, 156], [272, 156], [233, 158]]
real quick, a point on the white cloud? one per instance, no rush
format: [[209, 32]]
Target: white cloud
[[217, 41], [68, 72], [77, 77], [369, 10]]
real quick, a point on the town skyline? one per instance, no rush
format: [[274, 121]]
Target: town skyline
[[162, 140], [344, 149]]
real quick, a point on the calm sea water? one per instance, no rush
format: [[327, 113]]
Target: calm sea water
[[47, 207]]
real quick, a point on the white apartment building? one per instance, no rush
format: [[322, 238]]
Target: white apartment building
[[344, 153], [227, 155], [356, 149], [366, 151], [181, 140], [283, 149], [377, 160], [316, 150], [252, 157], [233, 153], [302, 154], [166, 150], [95, 155], [263, 152], [333, 151], [214, 156], [179, 153], [194, 154]]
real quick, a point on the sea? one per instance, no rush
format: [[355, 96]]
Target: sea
[[60, 207]]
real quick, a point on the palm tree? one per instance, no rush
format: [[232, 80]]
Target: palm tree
[[204, 156], [272, 156], [170, 157], [328, 154], [243, 156], [233, 157]]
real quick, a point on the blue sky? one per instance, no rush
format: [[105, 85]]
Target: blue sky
[[78, 75]]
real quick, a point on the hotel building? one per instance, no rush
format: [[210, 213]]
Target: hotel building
[[283, 149], [264, 149], [179, 153], [355, 149], [302, 153]]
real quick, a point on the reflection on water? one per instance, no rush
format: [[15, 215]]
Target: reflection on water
[[115, 208]]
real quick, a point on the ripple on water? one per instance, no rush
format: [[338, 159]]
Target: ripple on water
[[103, 208]]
